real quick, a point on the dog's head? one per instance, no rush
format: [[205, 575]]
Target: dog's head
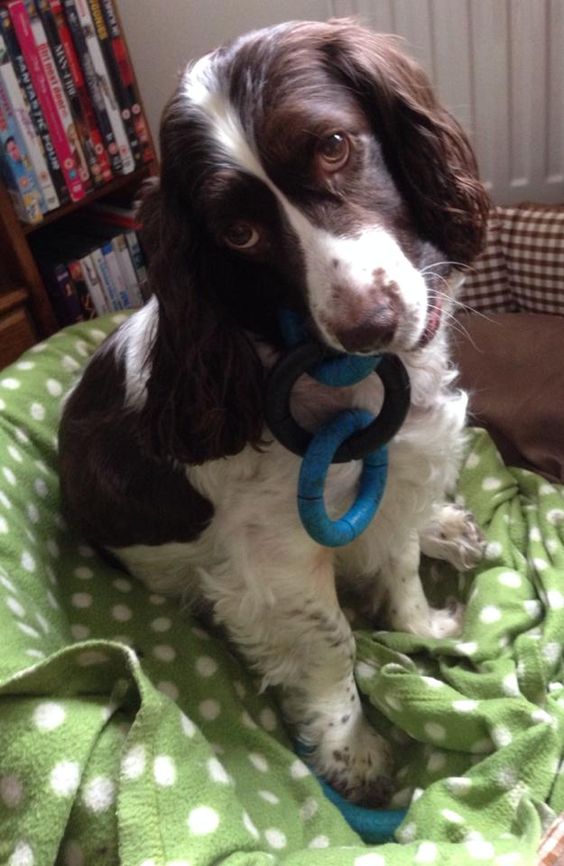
[[308, 166]]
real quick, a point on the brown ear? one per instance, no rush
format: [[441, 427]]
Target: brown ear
[[204, 393], [425, 148]]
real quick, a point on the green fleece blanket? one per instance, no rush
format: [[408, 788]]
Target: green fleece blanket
[[129, 734]]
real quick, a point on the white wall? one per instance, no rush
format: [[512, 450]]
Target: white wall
[[498, 65]]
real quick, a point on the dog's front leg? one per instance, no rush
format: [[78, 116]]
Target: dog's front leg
[[285, 618]]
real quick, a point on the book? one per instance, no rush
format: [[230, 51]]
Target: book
[[138, 262], [16, 167], [89, 114], [30, 142], [125, 75], [23, 77], [108, 95], [120, 91], [61, 291], [101, 265], [78, 278], [129, 276], [22, 26], [89, 161], [93, 85], [118, 284], [95, 289], [57, 91]]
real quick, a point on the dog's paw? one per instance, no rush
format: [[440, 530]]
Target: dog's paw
[[454, 536], [436, 622], [357, 763]]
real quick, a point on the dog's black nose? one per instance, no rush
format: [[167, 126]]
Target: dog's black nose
[[375, 331]]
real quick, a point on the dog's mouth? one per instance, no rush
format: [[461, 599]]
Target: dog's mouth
[[433, 322]]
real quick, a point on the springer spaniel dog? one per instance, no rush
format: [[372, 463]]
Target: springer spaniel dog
[[305, 166]]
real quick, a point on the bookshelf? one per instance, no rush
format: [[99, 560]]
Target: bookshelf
[[26, 314]]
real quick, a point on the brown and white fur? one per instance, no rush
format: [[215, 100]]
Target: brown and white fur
[[307, 166]]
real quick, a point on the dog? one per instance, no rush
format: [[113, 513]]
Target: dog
[[305, 166]]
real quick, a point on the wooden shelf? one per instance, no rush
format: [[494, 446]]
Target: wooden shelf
[[122, 182]]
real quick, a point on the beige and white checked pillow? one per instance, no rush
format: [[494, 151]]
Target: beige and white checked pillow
[[522, 267]]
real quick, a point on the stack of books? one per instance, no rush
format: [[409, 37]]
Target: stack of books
[[94, 264], [70, 112]]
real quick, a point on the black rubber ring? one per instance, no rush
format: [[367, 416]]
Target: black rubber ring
[[289, 433]]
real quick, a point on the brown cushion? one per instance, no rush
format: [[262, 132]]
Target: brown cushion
[[513, 366]]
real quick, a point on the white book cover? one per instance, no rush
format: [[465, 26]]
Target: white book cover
[[127, 270], [110, 100]]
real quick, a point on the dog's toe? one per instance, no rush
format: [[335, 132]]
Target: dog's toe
[[454, 536]]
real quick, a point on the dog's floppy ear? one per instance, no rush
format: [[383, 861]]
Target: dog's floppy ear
[[425, 148], [204, 392]]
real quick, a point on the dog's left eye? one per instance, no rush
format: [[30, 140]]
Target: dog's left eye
[[241, 236], [333, 151]]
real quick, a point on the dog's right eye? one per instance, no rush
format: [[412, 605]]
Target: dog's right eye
[[241, 236]]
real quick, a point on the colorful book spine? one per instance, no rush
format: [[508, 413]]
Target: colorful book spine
[[120, 91], [124, 74], [127, 271], [93, 85], [25, 36], [101, 266], [81, 288], [118, 284], [94, 285], [138, 262], [31, 141], [58, 92], [93, 133], [35, 113], [17, 170], [62, 294], [110, 101], [88, 162]]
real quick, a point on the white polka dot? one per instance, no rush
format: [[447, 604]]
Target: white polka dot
[[99, 794], [268, 719], [269, 797], [79, 631], [35, 654], [133, 763], [435, 731], [533, 607], [364, 670], [28, 562], [164, 652], [540, 715], [510, 685], [319, 842], [480, 849], [154, 598], [217, 772], [472, 460], [52, 547], [299, 770], [249, 826], [161, 623], [64, 778], [32, 512], [86, 551], [14, 453], [7, 583], [88, 658], [275, 838], [69, 364], [393, 702], [539, 563], [248, 722], [501, 736], [40, 487], [555, 516], [452, 817], [436, 762], [458, 785], [4, 526], [21, 436], [426, 853], [10, 384], [122, 584], [481, 747], [370, 860], [83, 572], [54, 387], [28, 629], [9, 476], [491, 483], [188, 727], [510, 579], [14, 605], [164, 771], [81, 599], [493, 550], [467, 648], [121, 612], [169, 689], [25, 365], [490, 614], [203, 820], [37, 411], [551, 652], [408, 833], [209, 709], [22, 855], [258, 761], [11, 790], [48, 716], [432, 682], [206, 666], [464, 705], [555, 599], [4, 500]]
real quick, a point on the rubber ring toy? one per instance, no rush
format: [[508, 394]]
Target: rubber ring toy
[[354, 434]]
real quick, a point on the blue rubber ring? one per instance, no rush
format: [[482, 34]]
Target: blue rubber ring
[[313, 473]]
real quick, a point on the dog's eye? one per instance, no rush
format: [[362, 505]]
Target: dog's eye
[[241, 236], [333, 151]]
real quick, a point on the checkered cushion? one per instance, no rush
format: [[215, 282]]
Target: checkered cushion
[[522, 267]]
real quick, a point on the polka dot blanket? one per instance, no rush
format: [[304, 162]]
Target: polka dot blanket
[[130, 734]]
